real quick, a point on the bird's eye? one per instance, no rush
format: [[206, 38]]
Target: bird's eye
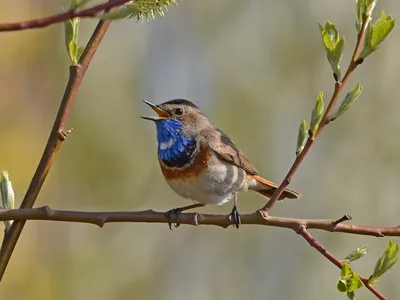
[[178, 111]]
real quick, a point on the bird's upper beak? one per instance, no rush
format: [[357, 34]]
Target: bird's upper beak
[[162, 114]]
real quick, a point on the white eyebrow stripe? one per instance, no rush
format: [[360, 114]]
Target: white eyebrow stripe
[[167, 145]]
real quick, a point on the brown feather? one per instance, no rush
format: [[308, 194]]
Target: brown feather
[[224, 148], [267, 188]]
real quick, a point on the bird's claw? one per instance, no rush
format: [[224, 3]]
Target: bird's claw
[[170, 214], [234, 217]]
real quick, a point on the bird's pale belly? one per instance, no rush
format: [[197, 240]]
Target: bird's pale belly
[[217, 184]]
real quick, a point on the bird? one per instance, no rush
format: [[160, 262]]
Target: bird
[[201, 163]]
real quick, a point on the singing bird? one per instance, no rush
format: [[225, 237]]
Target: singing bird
[[201, 163]]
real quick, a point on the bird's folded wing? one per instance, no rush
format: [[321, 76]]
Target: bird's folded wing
[[224, 148]]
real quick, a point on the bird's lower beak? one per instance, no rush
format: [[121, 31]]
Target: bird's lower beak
[[162, 114]]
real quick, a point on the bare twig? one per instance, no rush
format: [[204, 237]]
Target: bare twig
[[149, 216], [72, 13], [302, 230], [341, 220], [54, 141], [325, 119]]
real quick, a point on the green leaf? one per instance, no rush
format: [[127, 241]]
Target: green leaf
[[334, 45], [360, 4], [381, 29], [369, 6], [376, 34], [341, 285], [80, 51], [348, 281], [385, 262], [71, 31], [357, 254], [364, 7], [301, 137], [7, 195], [335, 56], [349, 100], [351, 295], [316, 115], [73, 52], [330, 35]]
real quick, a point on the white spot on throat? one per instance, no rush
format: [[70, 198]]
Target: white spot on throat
[[167, 145]]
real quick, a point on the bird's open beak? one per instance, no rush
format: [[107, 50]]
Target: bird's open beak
[[162, 114]]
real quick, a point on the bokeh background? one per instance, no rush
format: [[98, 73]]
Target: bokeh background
[[255, 68]]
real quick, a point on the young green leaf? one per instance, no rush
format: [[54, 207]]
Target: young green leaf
[[71, 28], [301, 137], [381, 29], [316, 115], [357, 254], [330, 35], [385, 262], [349, 100], [369, 6], [348, 280], [80, 51], [7, 195], [360, 4], [376, 34], [73, 52], [334, 46], [364, 7], [351, 295]]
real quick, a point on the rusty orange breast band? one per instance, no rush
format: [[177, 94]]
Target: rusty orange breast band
[[199, 164]]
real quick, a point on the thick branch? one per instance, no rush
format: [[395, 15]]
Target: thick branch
[[150, 216], [43, 22], [54, 141]]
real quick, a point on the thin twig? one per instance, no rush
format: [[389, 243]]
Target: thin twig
[[325, 119], [149, 216], [72, 13], [302, 230], [54, 141], [354, 62]]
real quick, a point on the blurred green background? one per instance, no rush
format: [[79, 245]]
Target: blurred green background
[[255, 68]]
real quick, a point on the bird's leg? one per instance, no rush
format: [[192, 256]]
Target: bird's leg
[[234, 216], [177, 211]]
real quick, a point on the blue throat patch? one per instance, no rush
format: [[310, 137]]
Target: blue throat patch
[[180, 150]]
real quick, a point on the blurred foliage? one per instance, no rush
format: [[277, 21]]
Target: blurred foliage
[[254, 68]]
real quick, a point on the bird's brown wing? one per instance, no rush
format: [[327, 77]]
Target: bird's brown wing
[[223, 146]]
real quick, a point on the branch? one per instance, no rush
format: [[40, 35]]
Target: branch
[[325, 119], [302, 230], [149, 216], [258, 218], [57, 136], [72, 13]]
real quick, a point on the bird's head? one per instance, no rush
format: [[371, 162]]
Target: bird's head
[[177, 117]]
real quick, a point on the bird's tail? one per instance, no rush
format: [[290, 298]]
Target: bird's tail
[[267, 188]]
